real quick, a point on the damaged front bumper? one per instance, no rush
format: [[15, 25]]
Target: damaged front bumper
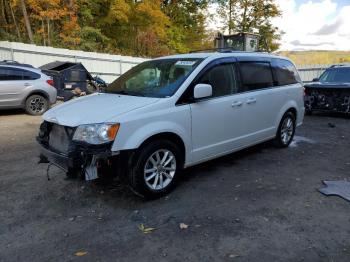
[[327, 99], [58, 148]]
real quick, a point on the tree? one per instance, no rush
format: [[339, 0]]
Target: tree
[[130, 27], [14, 21], [26, 21], [70, 32], [187, 30], [252, 16]]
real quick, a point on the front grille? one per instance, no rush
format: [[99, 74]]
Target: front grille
[[59, 138]]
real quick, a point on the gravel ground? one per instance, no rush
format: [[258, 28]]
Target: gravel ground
[[260, 204]]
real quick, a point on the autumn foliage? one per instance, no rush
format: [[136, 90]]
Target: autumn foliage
[[131, 27]]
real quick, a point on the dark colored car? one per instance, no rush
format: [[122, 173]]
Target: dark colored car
[[330, 92]]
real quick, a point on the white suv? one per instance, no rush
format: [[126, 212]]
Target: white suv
[[174, 112]]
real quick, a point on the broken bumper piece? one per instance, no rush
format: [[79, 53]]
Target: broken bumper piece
[[88, 160], [59, 149], [58, 159]]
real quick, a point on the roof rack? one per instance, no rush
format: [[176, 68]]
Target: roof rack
[[223, 50], [14, 63]]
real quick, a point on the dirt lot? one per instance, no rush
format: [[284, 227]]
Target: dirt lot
[[257, 205]]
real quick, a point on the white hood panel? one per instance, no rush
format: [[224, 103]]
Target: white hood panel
[[97, 108]]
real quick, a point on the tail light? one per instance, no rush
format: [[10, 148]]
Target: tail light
[[50, 82]]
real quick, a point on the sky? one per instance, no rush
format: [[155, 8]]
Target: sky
[[313, 24]]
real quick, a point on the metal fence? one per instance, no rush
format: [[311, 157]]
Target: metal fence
[[107, 66], [309, 72]]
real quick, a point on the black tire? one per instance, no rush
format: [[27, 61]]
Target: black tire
[[308, 112], [279, 139], [36, 105], [137, 165]]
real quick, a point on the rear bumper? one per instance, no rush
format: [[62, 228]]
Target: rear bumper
[[53, 100], [52, 92]]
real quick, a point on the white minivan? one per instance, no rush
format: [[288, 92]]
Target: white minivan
[[173, 112]]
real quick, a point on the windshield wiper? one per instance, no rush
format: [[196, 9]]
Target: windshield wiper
[[128, 93]]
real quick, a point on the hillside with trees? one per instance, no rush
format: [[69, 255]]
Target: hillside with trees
[[145, 28], [317, 57]]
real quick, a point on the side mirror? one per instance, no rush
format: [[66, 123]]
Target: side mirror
[[315, 80], [202, 91]]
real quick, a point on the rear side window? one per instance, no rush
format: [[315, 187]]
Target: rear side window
[[28, 75], [286, 73], [13, 74], [222, 79], [255, 75]]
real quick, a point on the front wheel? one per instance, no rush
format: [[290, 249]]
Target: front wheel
[[154, 168], [286, 130]]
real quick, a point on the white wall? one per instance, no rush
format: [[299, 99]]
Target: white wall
[[109, 67]]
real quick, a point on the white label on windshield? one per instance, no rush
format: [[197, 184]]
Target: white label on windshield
[[185, 63]]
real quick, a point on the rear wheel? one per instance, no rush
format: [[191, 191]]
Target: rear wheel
[[286, 130], [36, 105], [154, 168]]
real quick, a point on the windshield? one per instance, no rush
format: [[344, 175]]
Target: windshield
[[156, 78], [336, 75]]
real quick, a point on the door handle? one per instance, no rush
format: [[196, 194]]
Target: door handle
[[251, 101], [27, 84], [237, 104]]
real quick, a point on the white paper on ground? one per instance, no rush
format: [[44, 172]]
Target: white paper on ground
[[91, 170]]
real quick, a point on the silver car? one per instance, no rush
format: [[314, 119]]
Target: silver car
[[23, 86]]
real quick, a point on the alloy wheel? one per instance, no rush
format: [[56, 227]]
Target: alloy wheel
[[160, 169], [37, 105], [287, 130]]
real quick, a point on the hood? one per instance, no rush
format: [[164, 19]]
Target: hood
[[327, 85], [96, 108]]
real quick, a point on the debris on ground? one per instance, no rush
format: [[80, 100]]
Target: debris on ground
[[183, 226], [146, 230], [331, 125], [336, 188], [80, 253], [233, 256]]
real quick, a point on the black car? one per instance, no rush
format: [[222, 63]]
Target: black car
[[330, 92]]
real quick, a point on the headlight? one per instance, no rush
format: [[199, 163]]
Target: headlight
[[96, 133]]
